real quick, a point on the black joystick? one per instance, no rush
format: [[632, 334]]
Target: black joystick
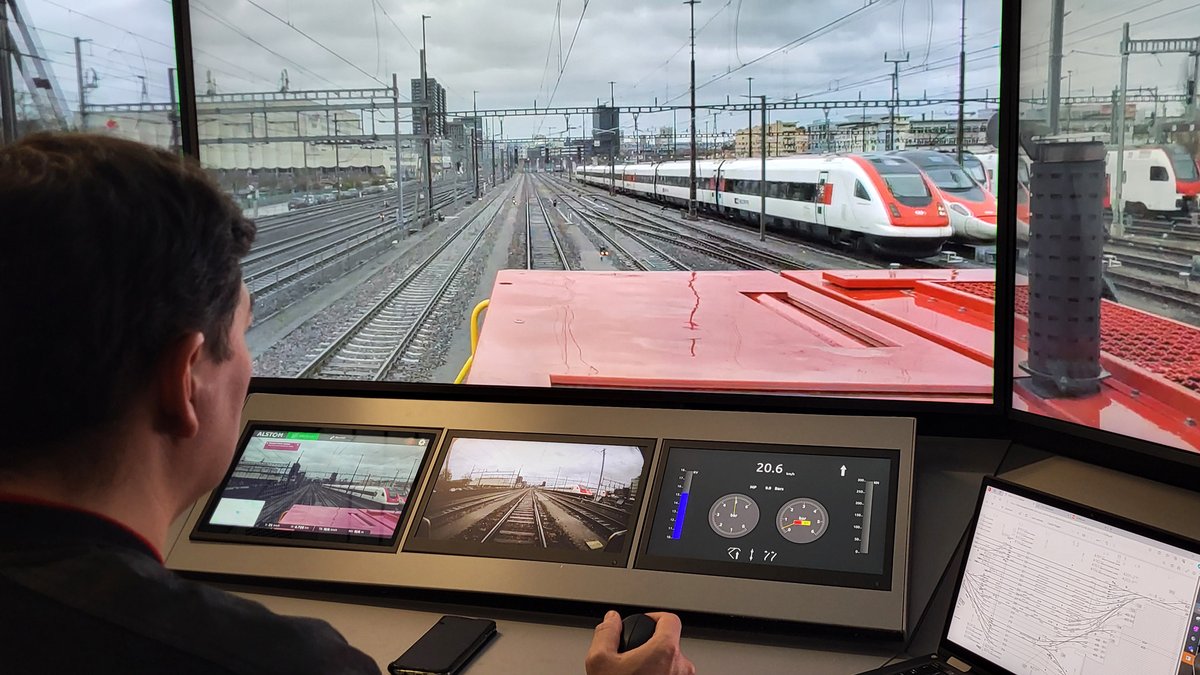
[[636, 629]]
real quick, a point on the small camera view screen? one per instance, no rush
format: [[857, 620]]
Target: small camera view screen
[[519, 498], [800, 514], [323, 485]]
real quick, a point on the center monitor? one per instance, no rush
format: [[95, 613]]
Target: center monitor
[[570, 499], [326, 487], [781, 513]]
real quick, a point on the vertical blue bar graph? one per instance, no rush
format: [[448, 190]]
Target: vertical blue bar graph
[[683, 500]]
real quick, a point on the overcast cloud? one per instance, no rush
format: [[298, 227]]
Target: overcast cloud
[[537, 461], [510, 52], [379, 460]]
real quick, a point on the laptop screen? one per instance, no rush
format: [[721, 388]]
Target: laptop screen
[[1056, 588]]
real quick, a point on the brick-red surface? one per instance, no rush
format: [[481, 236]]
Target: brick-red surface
[[1161, 346]]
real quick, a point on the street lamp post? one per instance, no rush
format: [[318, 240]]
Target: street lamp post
[[691, 214]]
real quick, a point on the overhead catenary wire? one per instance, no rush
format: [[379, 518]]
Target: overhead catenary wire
[[794, 43], [315, 41], [566, 60], [211, 14], [685, 45]]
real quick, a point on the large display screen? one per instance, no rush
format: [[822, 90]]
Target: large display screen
[[555, 498], [306, 485], [782, 513]]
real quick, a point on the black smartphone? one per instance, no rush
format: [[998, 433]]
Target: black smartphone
[[445, 648]]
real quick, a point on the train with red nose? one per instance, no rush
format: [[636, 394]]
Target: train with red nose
[[385, 497], [971, 206], [874, 202]]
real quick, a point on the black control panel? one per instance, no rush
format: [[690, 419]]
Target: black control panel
[[784, 513]]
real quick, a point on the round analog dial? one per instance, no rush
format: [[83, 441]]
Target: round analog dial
[[733, 516], [802, 521]]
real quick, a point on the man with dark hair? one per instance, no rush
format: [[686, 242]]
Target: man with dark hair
[[126, 369]]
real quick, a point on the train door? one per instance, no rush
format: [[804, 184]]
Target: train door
[[719, 179], [822, 199]]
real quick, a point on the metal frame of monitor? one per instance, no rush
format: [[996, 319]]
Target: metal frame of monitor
[[414, 543], [858, 608], [212, 533]]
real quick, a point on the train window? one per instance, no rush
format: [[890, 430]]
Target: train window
[[349, 214], [534, 497], [860, 191], [123, 58], [1122, 361], [909, 189]]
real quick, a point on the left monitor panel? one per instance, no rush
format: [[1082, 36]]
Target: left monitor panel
[[327, 487]]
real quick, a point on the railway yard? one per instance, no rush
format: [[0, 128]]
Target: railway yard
[[526, 516], [342, 292]]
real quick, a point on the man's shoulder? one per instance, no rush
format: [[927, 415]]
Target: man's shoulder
[[130, 597]]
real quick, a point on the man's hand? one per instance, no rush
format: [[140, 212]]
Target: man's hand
[[659, 656]]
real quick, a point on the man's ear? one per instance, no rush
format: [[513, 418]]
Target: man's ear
[[177, 386]]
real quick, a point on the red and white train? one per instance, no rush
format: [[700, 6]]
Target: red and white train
[[878, 202], [372, 493], [1159, 180], [972, 207], [991, 164]]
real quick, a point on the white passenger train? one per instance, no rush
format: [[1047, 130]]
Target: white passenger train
[[878, 202], [1159, 180], [386, 497]]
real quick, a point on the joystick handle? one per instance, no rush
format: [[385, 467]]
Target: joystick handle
[[636, 629]]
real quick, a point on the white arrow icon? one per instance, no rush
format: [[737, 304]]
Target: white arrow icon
[[843, 471], [733, 552]]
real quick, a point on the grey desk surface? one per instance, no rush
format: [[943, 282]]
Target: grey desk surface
[[533, 647]]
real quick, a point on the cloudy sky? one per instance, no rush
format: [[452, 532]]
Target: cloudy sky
[[538, 461], [566, 52], [347, 459]]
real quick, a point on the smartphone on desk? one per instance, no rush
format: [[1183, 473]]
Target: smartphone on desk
[[445, 648]]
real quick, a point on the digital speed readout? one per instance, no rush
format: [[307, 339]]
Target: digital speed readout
[[756, 513]]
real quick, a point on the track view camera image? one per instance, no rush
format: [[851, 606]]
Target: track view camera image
[[531, 499], [333, 484]]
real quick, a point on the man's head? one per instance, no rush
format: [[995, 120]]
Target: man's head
[[121, 298]]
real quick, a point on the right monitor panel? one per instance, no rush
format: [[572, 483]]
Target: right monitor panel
[[774, 512]]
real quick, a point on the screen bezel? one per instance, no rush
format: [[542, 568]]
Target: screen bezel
[[797, 575], [233, 534], [414, 544], [1103, 517]]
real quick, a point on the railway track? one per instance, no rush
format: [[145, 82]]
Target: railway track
[[621, 239], [1157, 261], [702, 242], [543, 248], [520, 524], [602, 519], [313, 251], [1176, 292], [456, 509], [391, 330]]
